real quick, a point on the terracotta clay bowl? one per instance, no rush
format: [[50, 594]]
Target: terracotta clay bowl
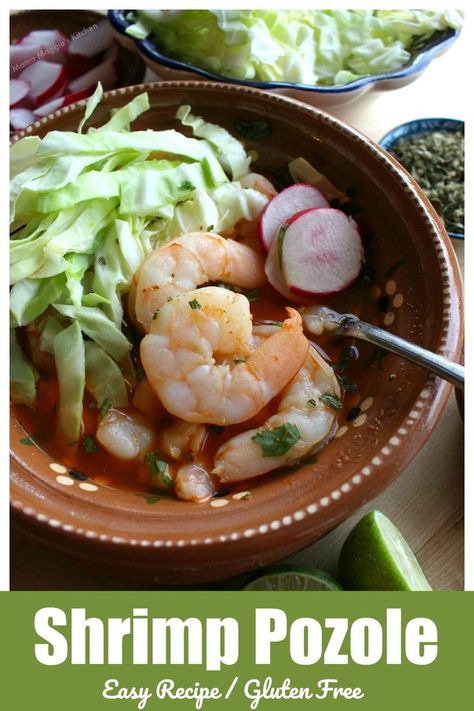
[[414, 291]]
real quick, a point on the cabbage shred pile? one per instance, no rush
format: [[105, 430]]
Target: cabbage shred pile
[[86, 209], [313, 47]]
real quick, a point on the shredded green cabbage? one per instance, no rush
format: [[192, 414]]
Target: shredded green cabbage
[[68, 347], [314, 47], [22, 375], [86, 210]]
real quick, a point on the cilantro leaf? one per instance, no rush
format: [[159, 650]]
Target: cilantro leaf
[[332, 400], [105, 407], [278, 441], [90, 445], [158, 470]]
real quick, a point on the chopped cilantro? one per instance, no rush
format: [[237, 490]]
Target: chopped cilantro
[[332, 400], [105, 407], [194, 304], [347, 385], [253, 295], [281, 237], [218, 429], [278, 441], [90, 445], [186, 185], [348, 353], [158, 470], [150, 498]]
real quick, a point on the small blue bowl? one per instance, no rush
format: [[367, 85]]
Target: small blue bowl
[[420, 126], [172, 69]]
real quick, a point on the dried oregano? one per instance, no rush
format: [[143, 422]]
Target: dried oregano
[[436, 162]]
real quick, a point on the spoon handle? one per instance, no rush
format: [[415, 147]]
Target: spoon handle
[[446, 369]]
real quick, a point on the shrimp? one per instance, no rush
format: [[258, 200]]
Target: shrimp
[[197, 328], [126, 435], [242, 457], [186, 263], [145, 399]]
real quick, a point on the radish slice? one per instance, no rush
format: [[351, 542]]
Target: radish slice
[[53, 42], [47, 81], [23, 55], [91, 41], [275, 275], [59, 103], [18, 92], [21, 118], [291, 200], [106, 73], [321, 252]]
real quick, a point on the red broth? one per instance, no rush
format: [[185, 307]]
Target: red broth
[[39, 422]]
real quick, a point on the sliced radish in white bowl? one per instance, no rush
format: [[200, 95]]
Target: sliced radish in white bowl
[[291, 200], [321, 252], [18, 93], [46, 79]]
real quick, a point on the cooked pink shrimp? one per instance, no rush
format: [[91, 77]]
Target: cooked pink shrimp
[[303, 415], [193, 331], [186, 263]]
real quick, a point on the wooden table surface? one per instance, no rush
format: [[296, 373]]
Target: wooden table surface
[[426, 501]]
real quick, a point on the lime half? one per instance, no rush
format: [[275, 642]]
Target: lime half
[[292, 577], [375, 556]]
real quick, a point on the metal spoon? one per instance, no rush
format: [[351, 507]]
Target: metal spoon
[[319, 318]]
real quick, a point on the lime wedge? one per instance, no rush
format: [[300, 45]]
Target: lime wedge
[[292, 577], [375, 556]]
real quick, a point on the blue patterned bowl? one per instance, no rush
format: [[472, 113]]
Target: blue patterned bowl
[[419, 126], [172, 69]]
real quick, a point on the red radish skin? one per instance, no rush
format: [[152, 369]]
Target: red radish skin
[[321, 253], [77, 66], [46, 79], [19, 91], [106, 73], [297, 197], [21, 118], [60, 102]]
